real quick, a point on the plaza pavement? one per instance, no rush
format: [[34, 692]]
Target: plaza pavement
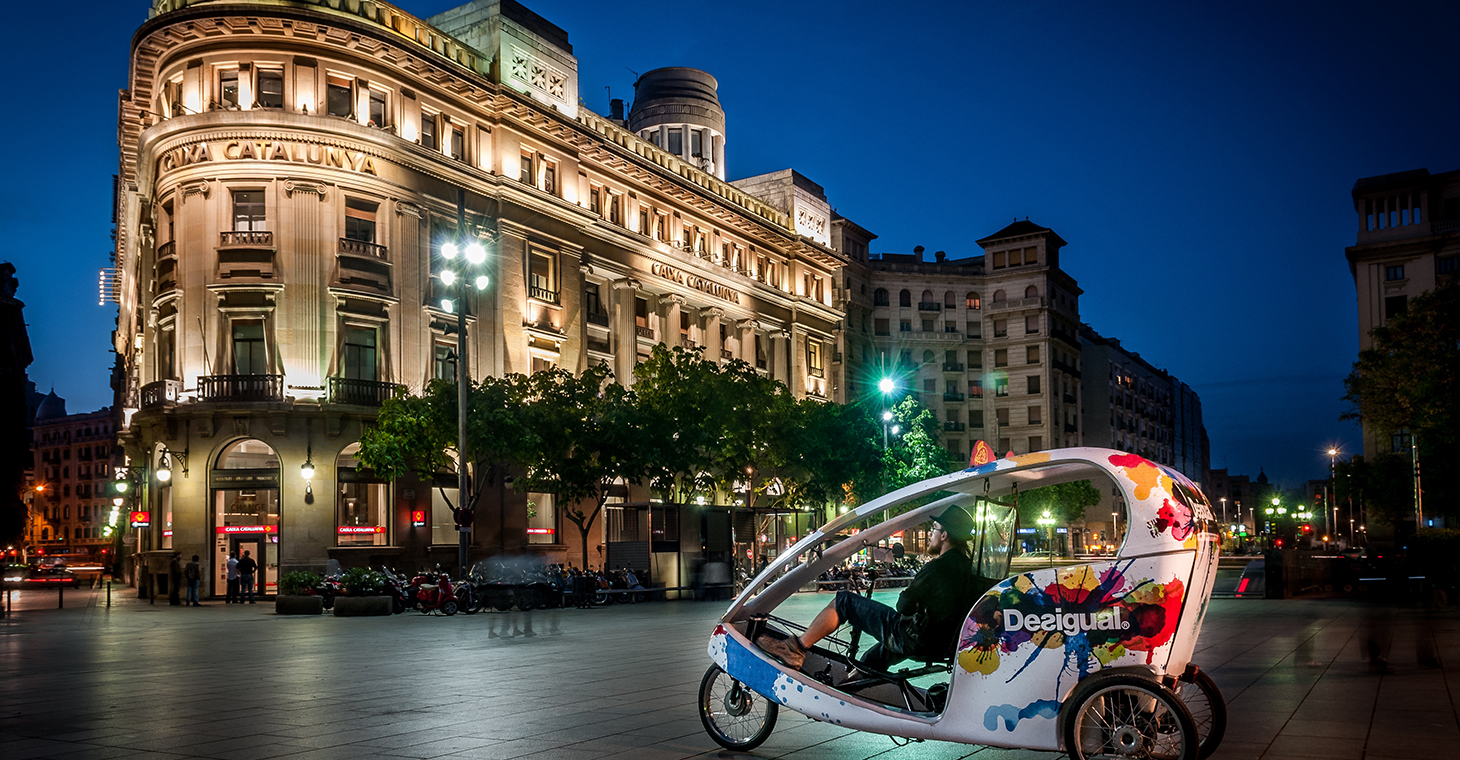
[[239, 683]]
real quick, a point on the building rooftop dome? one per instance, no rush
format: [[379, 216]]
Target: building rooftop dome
[[53, 407]]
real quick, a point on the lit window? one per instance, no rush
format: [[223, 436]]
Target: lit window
[[228, 88], [248, 210], [550, 177], [458, 143], [359, 362], [444, 362], [542, 281], [525, 171], [248, 347]]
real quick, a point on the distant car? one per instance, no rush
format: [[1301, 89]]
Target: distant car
[[22, 576]]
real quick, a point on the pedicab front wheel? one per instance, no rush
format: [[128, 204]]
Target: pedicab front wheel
[[1208, 710], [1123, 716], [734, 716]]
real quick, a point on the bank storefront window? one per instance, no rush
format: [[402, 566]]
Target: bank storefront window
[[245, 511], [443, 522], [542, 520], [364, 503]]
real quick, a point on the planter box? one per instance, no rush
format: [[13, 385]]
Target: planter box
[[298, 605], [350, 606]]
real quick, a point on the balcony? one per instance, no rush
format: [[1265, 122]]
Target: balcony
[[816, 372], [160, 393], [167, 250], [1069, 398], [598, 318], [925, 306], [760, 363], [363, 249], [349, 390], [726, 353], [542, 294], [1066, 368], [644, 332], [240, 388], [1022, 303], [953, 396], [952, 367], [954, 427], [246, 239]]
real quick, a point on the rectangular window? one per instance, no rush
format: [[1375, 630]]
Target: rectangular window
[[813, 357], [975, 359], [882, 326], [271, 88], [930, 386], [591, 302], [696, 143], [1446, 264], [676, 142], [458, 143], [999, 259], [249, 357], [1001, 357], [524, 174], [550, 177], [542, 519], [1031, 256], [339, 97], [975, 418], [1001, 328], [228, 88], [595, 200], [1036, 443], [905, 325], [248, 210], [1394, 306], [1031, 355], [1001, 386], [1031, 325], [614, 203], [1002, 415], [542, 280], [428, 131], [443, 362], [1033, 384], [359, 358], [377, 108], [644, 221], [1035, 416], [363, 517], [1392, 273], [661, 226], [360, 220], [975, 329], [927, 325]]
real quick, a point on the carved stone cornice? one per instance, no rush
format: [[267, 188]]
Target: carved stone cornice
[[712, 312], [673, 298], [202, 188], [748, 324], [406, 208], [292, 186], [627, 283]]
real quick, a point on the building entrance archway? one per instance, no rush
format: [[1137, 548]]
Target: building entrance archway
[[245, 511]]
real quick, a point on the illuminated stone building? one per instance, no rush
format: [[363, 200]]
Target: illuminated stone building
[[73, 462], [987, 342], [289, 170], [1408, 242]]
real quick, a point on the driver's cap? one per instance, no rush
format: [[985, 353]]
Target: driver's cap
[[957, 522]]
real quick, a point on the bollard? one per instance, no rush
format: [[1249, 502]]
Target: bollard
[[60, 596], [108, 593]]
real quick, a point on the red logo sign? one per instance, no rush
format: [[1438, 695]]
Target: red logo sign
[[539, 531], [231, 529], [983, 453], [350, 530], [418, 517], [141, 519]]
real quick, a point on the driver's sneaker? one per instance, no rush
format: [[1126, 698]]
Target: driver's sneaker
[[788, 650]]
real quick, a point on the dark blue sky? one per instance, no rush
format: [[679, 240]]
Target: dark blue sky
[[1197, 157]]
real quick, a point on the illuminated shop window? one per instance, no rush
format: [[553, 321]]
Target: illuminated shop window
[[542, 519], [363, 516]]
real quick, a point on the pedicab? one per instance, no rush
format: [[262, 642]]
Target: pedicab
[[1094, 659]]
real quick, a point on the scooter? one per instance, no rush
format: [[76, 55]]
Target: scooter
[[435, 591]]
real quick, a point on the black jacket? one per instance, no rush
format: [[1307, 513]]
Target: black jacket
[[934, 605], [247, 566]]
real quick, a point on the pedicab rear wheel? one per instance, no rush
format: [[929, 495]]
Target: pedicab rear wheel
[[734, 716], [1201, 697], [1120, 717]]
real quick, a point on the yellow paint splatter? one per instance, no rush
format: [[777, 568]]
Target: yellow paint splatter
[[1147, 476], [979, 661], [1079, 579], [1034, 458]]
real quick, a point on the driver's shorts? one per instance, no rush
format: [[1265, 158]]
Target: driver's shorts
[[877, 620]]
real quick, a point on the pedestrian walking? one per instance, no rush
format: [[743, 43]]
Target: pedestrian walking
[[193, 574], [231, 594], [174, 580], [246, 569]]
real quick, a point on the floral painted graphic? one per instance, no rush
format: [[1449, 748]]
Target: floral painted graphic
[[1093, 616]]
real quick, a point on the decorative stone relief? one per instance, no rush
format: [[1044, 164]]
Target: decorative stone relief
[[292, 186], [201, 188]]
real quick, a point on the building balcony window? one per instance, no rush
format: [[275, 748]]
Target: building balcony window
[[598, 318], [953, 396], [363, 249], [644, 332], [816, 372], [542, 294], [160, 393], [246, 239], [952, 367], [167, 250], [954, 427], [241, 388], [926, 306], [760, 363], [599, 346], [349, 390]]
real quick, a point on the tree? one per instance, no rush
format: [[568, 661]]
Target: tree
[[588, 435], [1410, 381], [829, 453], [1065, 502], [916, 453], [676, 390], [1383, 486]]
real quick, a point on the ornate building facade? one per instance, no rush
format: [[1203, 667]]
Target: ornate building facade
[[71, 496], [289, 173]]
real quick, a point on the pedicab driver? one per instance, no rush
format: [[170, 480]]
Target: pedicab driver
[[929, 612]]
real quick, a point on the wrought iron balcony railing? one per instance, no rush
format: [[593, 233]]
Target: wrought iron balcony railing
[[241, 388]]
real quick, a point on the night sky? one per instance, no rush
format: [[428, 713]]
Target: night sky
[[1198, 159]]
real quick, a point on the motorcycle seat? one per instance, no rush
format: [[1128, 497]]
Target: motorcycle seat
[[425, 587]]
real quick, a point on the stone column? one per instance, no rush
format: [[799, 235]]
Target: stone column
[[622, 333], [671, 305], [747, 340], [712, 317], [778, 356]]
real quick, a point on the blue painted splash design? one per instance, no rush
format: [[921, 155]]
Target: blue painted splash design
[[745, 667], [1011, 715]]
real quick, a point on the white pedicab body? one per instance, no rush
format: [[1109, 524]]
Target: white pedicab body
[[1031, 638]]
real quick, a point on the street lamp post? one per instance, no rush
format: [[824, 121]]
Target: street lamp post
[[1328, 490], [1048, 523], [474, 256]]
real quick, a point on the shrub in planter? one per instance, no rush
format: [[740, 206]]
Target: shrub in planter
[[298, 583], [362, 581], [366, 594]]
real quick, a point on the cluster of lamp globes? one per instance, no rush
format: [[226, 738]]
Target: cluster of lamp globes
[[475, 255], [1281, 510]]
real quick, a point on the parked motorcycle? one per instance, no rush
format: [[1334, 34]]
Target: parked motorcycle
[[435, 591]]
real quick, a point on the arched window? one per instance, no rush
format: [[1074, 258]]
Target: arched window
[[1000, 296], [248, 454], [1031, 292], [879, 297], [950, 301], [973, 301], [927, 296], [45, 534], [927, 357], [904, 298]]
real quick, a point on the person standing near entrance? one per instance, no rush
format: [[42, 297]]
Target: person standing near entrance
[[246, 569], [174, 580], [231, 595], [193, 574]]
